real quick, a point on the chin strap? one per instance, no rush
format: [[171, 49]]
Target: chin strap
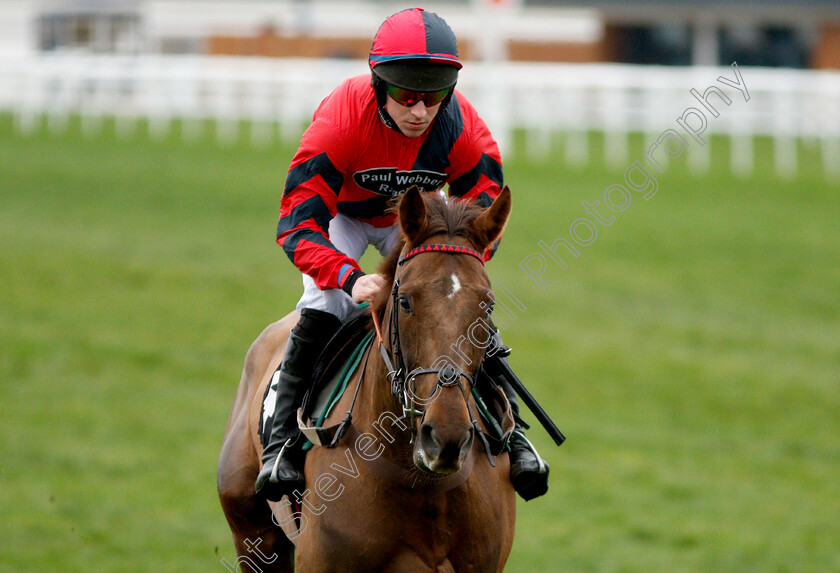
[[381, 98], [387, 119]]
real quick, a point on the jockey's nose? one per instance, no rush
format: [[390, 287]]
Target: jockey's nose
[[419, 110]]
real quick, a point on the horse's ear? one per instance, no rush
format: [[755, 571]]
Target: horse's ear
[[490, 224], [412, 213]]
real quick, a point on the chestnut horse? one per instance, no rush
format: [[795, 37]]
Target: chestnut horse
[[409, 486]]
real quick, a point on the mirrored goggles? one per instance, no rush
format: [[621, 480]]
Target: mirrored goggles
[[409, 98]]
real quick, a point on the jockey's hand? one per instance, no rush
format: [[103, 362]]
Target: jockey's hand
[[367, 287]]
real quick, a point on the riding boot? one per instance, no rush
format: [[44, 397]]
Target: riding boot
[[282, 458], [528, 471]]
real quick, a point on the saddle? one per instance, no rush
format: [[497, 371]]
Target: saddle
[[333, 369], [324, 392], [340, 346]]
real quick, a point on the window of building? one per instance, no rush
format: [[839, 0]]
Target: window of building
[[92, 32]]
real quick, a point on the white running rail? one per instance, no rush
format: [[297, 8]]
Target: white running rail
[[550, 102]]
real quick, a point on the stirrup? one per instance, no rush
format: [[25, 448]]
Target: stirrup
[[540, 461]]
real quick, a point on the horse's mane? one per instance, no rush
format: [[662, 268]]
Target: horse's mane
[[443, 217]]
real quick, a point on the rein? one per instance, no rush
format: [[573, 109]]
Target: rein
[[403, 381], [399, 376]]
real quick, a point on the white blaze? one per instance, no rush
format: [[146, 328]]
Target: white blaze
[[456, 286]]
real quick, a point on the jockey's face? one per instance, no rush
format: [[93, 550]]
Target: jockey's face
[[413, 121]]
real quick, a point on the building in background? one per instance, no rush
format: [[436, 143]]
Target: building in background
[[773, 33], [162, 64]]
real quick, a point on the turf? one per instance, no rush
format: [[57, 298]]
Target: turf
[[691, 354]]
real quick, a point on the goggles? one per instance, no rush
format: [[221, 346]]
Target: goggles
[[409, 98]]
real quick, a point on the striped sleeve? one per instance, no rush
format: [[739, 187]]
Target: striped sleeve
[[309, 203], [476, 163], [477, 174]]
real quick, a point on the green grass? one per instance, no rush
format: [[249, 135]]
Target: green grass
[[691, 354]]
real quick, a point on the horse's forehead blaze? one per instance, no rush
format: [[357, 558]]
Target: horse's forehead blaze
[[456, 286], [443, 284]]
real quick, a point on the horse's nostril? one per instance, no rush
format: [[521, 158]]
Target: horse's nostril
[[444, 452], [465, 439], [428, 439]]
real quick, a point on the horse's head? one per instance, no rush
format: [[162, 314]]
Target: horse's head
[[437, 314]]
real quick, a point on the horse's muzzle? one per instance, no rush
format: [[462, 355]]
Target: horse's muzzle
[[442, 453]]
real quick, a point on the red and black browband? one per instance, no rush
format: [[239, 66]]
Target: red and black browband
[[455, 249]]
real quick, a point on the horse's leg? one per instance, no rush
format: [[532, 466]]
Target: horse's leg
[[259, 543]]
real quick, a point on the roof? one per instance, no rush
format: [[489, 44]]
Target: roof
[[765, 11]]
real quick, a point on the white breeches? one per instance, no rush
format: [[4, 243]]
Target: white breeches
[[352, 238]]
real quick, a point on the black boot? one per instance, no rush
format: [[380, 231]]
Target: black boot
[[528, 471], [282, 459]]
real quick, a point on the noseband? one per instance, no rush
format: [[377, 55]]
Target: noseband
[[398, 374]]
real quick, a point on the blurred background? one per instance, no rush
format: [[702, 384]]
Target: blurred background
[[690, 350]]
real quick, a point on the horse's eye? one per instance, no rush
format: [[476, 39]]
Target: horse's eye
[[405, 305]]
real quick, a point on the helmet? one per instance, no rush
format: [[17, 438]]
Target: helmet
[[415, 50]]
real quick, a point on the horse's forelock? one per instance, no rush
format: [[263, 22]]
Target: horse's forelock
[[450, 218]]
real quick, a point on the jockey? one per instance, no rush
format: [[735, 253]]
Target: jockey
[[370, 140]]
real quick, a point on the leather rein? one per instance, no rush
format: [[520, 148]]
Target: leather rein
[[403, 380], [399, 378]]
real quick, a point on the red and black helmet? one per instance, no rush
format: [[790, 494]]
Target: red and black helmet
[[415, 50]]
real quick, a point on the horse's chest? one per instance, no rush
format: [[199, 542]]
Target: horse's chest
[[376, 530]]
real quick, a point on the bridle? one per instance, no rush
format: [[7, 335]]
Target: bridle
[[403, 380], [402, 383]]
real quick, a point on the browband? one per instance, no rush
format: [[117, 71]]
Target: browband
[[455, 249]]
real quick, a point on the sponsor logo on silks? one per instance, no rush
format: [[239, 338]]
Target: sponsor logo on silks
[[390, 182]]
